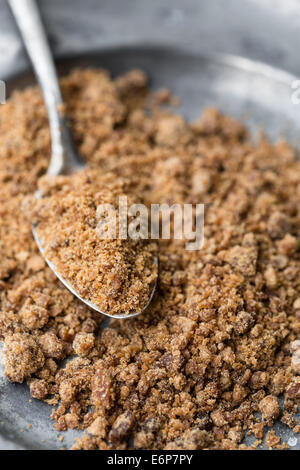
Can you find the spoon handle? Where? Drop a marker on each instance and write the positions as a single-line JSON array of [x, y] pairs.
[[64, 155]]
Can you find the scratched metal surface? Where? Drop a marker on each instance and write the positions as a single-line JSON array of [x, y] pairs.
[[257, 94]]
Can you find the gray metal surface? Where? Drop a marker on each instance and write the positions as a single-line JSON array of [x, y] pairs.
[[257, 94], [265, 30]]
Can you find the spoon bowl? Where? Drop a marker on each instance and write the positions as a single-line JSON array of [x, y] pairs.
[[74, 292]]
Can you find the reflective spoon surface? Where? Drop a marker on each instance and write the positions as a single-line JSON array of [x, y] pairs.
[[64, 156]]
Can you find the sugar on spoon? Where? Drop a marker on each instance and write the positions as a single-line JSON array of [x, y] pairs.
[[64, 156]]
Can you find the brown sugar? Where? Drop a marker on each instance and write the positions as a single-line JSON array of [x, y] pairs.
[[117, 275], [219, 343], [23, 356]]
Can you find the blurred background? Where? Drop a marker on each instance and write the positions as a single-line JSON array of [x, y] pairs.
[[266, 30]]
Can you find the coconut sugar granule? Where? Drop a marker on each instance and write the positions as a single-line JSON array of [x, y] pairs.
[[218, 346]]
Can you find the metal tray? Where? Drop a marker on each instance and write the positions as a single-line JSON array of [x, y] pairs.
[[257, 94]]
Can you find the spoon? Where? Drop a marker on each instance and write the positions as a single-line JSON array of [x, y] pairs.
[[64, 156]]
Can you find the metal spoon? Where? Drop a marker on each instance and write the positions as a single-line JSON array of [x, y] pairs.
[[64, 158]]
